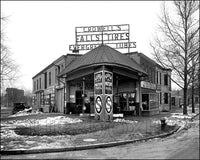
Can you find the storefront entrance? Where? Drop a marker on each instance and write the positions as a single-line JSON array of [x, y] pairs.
[[150, 103], [127, 102]]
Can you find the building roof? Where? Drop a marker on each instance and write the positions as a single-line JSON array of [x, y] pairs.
[[102, 55], [53, 63], [150, 60]]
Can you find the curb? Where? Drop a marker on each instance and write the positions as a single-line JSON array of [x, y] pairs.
[[85, 147], [194, 116], [191, 119]]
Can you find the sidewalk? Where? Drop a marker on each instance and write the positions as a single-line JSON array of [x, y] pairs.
[[133, 129]]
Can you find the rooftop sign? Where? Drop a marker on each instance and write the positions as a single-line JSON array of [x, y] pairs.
[[90, 37]]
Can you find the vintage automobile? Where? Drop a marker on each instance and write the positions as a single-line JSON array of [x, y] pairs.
[[19, 107]]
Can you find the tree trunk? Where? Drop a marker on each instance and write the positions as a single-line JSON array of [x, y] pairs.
[[193, 111], [185, 100]]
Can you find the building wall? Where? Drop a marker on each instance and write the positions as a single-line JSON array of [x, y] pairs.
[[163, 83], [156, 77], [14, 95], [51, 87]]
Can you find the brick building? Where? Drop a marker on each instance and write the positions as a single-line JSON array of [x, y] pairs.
[[156, 87], [14, 95], [48, 90], [139, 84]]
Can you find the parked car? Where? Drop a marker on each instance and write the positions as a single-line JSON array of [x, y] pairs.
[[19, 107]]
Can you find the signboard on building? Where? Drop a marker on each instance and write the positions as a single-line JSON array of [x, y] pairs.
[[98, 104], [49, 90], [103, 92], [98, 83], [148, 85], [90, 37], [108, 79], [108, 82]]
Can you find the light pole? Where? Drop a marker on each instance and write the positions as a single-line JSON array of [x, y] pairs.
[[83, 96]]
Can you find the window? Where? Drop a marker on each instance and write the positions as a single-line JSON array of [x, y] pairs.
[[127, 101], [160, 79], [47, 99], [62, 66], [40, 83], [45, 80], [149, 73], [49, 78], [173, 101], [34, 86], [123, 101], [145, 101], [56, 73], [153, 101], [42, 98], [58, 69], [196, 99], [153, 76], [166, 98], [79, 98], [37, 84], [165, 79], [160, 98], [157, 77]]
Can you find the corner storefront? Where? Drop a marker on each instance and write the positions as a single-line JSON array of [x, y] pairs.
[[150, 98], [103, 80]]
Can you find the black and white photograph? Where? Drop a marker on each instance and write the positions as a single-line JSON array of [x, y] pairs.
[[100, 79]]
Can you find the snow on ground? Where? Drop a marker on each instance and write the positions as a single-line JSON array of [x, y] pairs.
[[172, 122], [8, 133], [182, 116], [125, 121], [176, 119], [57, 120], [35, 122]]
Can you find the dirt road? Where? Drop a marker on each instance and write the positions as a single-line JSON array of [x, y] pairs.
[[182, 145]]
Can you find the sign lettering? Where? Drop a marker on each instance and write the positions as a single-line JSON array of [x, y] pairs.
[[100, 37], [148, 85], [98, 104], [108, 82], [98, 86], [106, 28], [92, 46], [108, 104], [90, 37]]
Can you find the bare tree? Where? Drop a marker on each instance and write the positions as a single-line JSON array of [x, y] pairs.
[[177, 44], [194, 75], [9, 68]]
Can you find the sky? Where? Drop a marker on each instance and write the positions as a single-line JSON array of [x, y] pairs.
[[39, 32]]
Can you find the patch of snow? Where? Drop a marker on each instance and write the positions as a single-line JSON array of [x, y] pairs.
[[57, 120], [2, 147], [8, 133], [118, 115], [89, 140], [47, 145], [30, 142], [182, 116], [35, 122], [124, 120], [156, 122]]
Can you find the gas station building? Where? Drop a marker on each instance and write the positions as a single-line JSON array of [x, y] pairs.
[[103, 81]]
